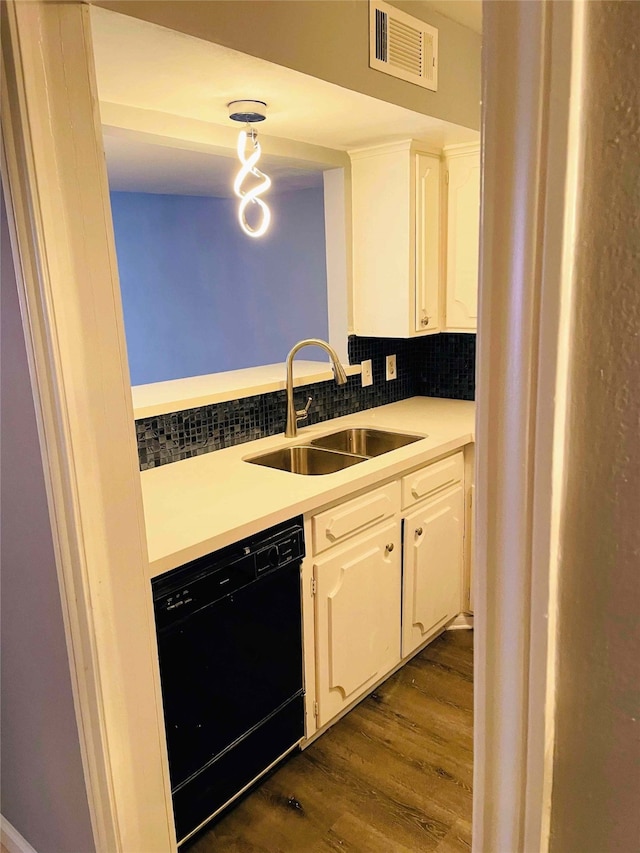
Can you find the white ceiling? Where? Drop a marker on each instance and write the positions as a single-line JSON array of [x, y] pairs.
[[148, 67], [136, 166], [465, 12]]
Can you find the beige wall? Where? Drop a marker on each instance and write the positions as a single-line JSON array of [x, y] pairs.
[[596, 785], [43, 789], [329, 39]]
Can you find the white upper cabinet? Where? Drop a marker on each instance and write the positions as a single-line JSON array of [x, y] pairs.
[[427, 234], [462, 164], [396, 240]]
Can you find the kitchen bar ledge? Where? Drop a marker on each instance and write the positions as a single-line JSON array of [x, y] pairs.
[[198, 505], [176, 395]]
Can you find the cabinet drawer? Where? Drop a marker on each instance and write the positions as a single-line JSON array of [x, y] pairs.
[[427, 480], [338, 523]]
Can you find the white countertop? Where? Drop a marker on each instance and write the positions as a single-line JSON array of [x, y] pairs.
[[201, 504]]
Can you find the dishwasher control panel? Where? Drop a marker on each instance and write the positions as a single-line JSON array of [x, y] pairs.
[[187, 589], [284, 549]]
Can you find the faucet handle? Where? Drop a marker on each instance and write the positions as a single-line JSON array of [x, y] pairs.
[[303, 414]]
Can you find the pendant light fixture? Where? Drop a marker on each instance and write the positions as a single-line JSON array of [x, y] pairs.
[[250, 112]]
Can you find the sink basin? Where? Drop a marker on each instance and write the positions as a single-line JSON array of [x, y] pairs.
[[364, 442], [334, 452], [307, 460]]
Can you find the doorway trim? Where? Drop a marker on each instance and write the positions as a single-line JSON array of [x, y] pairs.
[[532, 85], [55, 185]]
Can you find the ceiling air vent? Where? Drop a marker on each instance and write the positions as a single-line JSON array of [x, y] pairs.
[[402, 46]]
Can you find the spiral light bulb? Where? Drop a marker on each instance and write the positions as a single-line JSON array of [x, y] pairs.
[[250, 197]]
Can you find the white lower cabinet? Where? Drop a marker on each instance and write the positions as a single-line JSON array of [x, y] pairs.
[[378, 596], [433, 566], [357, 617]]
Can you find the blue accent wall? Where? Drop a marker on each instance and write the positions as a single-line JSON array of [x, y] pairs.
[[200, 296]]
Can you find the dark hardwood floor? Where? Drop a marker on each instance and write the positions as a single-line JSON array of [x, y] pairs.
[[393, 776]]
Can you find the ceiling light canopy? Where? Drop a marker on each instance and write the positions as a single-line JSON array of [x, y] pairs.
[[247, 111], [250, 112]]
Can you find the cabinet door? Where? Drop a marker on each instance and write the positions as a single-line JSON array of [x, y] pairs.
[[357, 607], [427, 224], [433, 562], [382, 243], [463, 238]]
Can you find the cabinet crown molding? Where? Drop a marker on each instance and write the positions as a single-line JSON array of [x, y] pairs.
[[461, 149], [409, 145]]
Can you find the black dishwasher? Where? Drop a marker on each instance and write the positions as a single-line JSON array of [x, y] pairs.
[[230, 644]]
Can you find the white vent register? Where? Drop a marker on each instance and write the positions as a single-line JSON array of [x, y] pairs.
[[402, 46]]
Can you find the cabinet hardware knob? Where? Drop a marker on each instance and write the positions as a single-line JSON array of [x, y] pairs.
[[418, 531], [425, 321], [389, 547]]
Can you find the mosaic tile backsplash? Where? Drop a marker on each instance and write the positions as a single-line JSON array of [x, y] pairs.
[[436, 366], [446, 366]]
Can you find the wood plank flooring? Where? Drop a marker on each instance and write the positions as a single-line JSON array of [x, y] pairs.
[[393, 776]]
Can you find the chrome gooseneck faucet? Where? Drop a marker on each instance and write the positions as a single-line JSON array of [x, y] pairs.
[[294, 416]]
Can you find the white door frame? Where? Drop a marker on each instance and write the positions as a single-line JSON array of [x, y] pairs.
[[532, 87], [57, 196], [55, 184]]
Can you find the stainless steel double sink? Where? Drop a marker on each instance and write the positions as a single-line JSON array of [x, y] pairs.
[[334, 452]]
